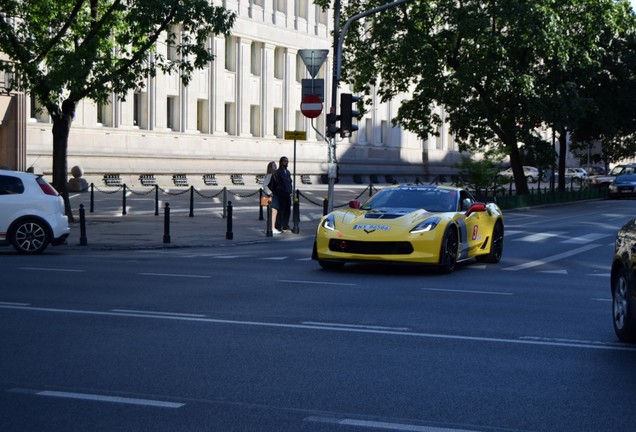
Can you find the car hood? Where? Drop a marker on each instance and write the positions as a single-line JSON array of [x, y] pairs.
[[393, 219]]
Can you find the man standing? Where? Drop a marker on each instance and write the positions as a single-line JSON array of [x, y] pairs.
[[283, 191]]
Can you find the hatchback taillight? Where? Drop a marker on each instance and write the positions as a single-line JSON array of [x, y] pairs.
[[46, 188]]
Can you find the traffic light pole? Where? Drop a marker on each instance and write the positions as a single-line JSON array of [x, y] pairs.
[[338, 38]]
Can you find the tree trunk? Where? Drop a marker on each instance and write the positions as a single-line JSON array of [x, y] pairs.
[[521, 184], [61, 128]]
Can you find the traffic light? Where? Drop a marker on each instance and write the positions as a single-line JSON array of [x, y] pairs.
[[347, 113], [332, 125]]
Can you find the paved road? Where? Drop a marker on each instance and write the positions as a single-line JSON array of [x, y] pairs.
[[197, 339]]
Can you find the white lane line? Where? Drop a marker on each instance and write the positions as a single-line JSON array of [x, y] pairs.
[[356, 326], [441, 336], [176, 275], [469, 292], [602, 299], [561, 272], [369, 424], [281, 258], [115, 399], [599, 274], [14, 304], [586, 238], [52, 269], [540, 236], [157, 313], [546, 260], [317, 282]]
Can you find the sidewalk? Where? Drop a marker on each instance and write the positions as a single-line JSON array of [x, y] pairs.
[[131, 232]]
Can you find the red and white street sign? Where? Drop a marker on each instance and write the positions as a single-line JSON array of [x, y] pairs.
[[311, 106]]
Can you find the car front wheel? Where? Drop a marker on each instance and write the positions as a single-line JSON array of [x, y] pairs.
[[496, 246], [30, 237], [624, 322], [450, 250]]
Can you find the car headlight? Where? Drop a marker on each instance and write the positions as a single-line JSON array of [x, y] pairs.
[[612, 188], [427, 225], [329, 223]]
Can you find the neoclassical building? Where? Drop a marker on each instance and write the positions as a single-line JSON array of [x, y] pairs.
[[231, 118]]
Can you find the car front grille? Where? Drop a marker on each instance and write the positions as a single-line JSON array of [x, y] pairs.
[[370, 248]]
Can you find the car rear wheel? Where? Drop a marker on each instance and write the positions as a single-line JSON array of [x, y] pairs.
[[496, 245], [624, 322], [530, 179], [449, 252], [30, 236]]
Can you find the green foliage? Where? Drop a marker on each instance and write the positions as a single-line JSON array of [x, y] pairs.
[[499, 69], [70, 50], [481, 175]]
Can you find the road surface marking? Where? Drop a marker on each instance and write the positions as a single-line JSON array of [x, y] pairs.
[[175, 275], [557, 257], [403, 427], [356, 326], [52, 269], [540, 236], [317, 282], [115, 399], [586, 238], [469, 292], [158, 313], [291, 326]]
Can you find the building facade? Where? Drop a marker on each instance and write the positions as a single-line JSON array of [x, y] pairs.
[[231, 118]]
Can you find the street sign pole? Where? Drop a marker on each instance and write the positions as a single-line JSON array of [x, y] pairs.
[[338, 38]]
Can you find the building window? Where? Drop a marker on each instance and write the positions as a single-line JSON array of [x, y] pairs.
[[281, 5], [104, 114], [255, 120], [230, 54], [300, 121], [171, 113], [302, 9], [278, 123], [279, 63], [140, 110], [300, 69], [255, 58], [322, 15], [202, 116], [230, 119], [384, 132], [368, 130]]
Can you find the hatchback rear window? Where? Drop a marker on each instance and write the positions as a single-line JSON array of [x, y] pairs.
[[10, 185]]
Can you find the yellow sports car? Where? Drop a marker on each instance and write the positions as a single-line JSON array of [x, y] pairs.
[[420, 224]]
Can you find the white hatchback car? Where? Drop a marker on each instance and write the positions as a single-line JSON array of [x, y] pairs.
[[31, 213], [531, 173]]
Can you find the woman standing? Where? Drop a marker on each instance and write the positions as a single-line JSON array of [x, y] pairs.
[[268, 189]]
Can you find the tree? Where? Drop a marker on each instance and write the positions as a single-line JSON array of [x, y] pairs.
[[63, 51], [486, 63]]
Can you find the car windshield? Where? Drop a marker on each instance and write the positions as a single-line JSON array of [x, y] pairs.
[[411, 198], [621, 170]]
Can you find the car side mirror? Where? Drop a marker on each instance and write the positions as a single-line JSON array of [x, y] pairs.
[[354, 204], [476, 207]]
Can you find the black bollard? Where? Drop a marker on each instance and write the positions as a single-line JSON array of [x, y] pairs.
[[191, 201], [260, 206], [325, 207], [82, 215], [229, 235], [268, 229], [123, 207], [156, 200], [166, 224], [92, 208], [296, 213]]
